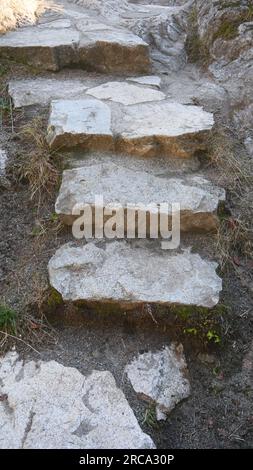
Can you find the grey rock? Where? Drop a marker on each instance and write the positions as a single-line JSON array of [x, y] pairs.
[[42, 91], [119, 183], [129, 274], [72, 37], [160, 377], [3, 161], [146, 129], [84, 121], [45, 405], [125, 93]]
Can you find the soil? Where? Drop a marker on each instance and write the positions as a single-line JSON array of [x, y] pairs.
[[219, 412]]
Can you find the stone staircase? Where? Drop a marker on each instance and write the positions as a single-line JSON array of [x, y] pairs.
[[132, 143]]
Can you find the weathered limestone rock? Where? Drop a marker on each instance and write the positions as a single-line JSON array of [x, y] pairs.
[[45, 405], [149, 129], [160, 378], [226, 30], [80, 122], [42, 91], [47, 48], [128, 274], [162, 25], [125, 93], [165, 127], [72, 37], [198, 198]]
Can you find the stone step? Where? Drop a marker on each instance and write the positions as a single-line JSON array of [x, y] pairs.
[[129, 274], [45, 405], [150, 128], [124, 116], [121, 182], [71, 38], [41, 91]]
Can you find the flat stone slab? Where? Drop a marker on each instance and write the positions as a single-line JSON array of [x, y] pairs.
[[172, 127], [86, 122], [45, 405], [125, 93], [74, 38], [161, 377], [129, 274], [41, 91], [119, 183], [149, 129]]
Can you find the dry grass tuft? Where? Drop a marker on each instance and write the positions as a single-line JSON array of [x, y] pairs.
[[37, 163], [234, 172], [14, 13]]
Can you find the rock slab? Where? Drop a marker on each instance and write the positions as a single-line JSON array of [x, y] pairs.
[[129, 274], [120, 184], [160, 377], [71, 38], [45, 405], [145, 129]]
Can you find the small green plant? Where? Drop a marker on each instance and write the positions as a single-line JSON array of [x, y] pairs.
[[54, 299], [191, 331], [8, 318], [150, 417], [212, 336]]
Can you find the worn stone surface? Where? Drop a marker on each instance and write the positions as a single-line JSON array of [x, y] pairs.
[[129, 274], [165, 127], [125, 93], [45, 405], [42, 91], [147, 129], [161, 378], [162, 25], [226, 30], [149, 80], [73, 37], [119, 183], [80, 122]]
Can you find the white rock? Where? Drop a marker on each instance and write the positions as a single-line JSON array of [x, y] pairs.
[[42, 91], [73, 38], [119, 183], [161, 378], [84, 121], [131, 274], [125, 93], [148, 129], [3, 160], [45, 405], [165, 127], [150, 80]]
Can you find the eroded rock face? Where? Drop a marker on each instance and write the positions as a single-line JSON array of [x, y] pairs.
[[45, 405], [160, 377], [128, 274], [198, 198], [161, 24], [226, 30]]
